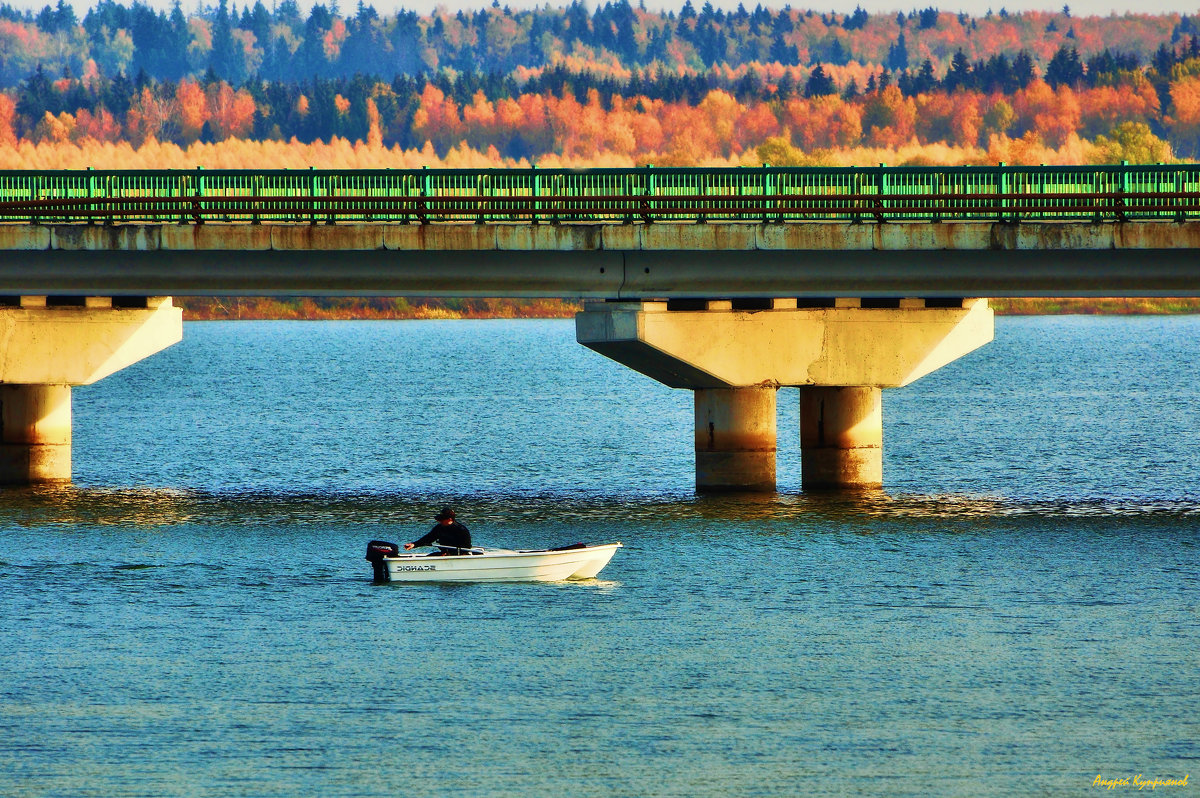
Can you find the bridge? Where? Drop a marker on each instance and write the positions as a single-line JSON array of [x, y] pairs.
[[728, 282]]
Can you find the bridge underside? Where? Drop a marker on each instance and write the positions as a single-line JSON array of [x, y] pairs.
[[841, 310], [671, 261]]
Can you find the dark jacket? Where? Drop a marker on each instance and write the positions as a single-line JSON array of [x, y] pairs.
[[453, 536]]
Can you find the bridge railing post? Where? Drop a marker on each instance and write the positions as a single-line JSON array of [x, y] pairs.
[[648, 191], [1180, 213], [484, 188], [256, 190], [330, 207], [423, 206], [91, 194], [939, 190], [766, 191], [856, 188], [197, 202], [881, 192], [312, 195], [1121, 204], [535, 189]]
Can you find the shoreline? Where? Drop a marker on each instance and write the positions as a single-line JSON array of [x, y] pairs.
[[402, 309]]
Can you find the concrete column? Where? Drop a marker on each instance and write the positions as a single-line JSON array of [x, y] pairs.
[[50, 344], [735, 439], [841, 437], [35, 434]]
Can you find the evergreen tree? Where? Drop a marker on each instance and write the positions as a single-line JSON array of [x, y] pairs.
[[959, 75], [897, 57], [819, 84], [856, 20], [1022, 71], [1065, 68], [224, 59]]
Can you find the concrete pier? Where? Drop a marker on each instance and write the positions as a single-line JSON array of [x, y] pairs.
[[48, 345], [736, 354], [841, 437], [735, 439], [35, 434]]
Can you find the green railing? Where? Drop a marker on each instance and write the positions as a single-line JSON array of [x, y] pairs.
[[638, 195]]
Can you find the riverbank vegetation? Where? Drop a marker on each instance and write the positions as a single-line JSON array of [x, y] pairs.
[[379, 308]]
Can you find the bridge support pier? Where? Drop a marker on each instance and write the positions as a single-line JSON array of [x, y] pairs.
[[35, 434], [735, 439], [48, 345], [841, 437], [736, 354]]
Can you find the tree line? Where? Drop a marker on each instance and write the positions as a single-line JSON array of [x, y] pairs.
[[285, 44], [618, 81]]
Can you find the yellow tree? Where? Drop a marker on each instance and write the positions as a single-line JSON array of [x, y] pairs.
[[1184, 122], [1133, 142]]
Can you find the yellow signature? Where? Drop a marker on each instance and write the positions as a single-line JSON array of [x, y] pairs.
[[1139, 781]]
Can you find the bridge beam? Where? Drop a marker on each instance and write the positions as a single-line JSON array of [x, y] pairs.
[[47, 346], [735, 355]]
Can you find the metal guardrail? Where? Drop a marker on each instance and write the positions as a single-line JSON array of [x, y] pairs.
[[639, 195]]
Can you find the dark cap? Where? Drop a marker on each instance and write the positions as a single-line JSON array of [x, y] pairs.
[[443, 514]]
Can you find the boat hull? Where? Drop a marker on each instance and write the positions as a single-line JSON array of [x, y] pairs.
[[502, 566]]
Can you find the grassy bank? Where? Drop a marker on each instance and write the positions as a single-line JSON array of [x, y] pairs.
[[342, 308], [1116, 306], [323, 308]]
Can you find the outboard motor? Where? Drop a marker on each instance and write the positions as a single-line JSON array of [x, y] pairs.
[[376, 551]]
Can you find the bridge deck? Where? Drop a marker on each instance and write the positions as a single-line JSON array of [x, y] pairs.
[[606, 233]]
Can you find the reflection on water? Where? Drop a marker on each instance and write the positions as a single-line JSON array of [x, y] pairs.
[[74, 506]]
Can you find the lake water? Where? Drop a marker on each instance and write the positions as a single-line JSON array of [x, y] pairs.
[[1014, 614]]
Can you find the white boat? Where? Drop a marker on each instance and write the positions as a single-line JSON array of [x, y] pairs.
[[579, 561]]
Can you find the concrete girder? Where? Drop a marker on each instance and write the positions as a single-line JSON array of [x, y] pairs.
[[839, 346], [80, 345], [605, 261]]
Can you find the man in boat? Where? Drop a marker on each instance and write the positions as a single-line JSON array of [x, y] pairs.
[[449, 536]]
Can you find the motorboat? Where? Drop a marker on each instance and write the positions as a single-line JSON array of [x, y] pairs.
[[577, 561]]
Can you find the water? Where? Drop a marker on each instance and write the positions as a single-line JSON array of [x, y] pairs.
[[1015, 614]]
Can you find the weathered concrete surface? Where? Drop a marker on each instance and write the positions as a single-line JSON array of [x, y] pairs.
[[881, 347], [35, 434], [44, 350], [735, 360], [606, 260], [79, 345], [841, 437], [735, 439]]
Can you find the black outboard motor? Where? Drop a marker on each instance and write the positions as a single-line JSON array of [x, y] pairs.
[[376, 551]]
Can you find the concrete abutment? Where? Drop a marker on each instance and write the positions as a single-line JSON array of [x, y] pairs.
[[49, 345], [841, 355]]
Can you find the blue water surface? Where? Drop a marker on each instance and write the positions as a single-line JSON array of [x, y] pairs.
[[1014, 614]]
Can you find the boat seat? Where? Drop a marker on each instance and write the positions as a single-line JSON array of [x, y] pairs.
[[451, 551]]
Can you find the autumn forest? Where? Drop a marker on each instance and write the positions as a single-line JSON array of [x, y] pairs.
[[230, 86]]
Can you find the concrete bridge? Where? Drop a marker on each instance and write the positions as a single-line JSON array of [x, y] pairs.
[[728, 282]]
